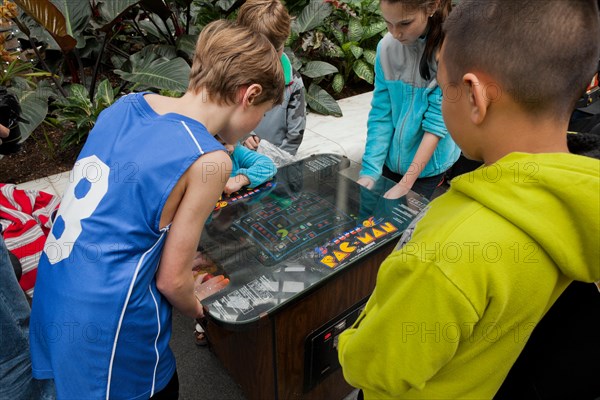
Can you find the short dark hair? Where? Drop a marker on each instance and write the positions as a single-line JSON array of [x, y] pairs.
[[543, 53]]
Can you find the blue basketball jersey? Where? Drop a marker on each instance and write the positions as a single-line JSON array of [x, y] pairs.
[[99, 326]]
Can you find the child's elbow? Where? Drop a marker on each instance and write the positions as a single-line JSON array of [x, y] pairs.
[[168, 287]]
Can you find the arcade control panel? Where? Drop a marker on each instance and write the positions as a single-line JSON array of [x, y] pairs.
[[320, 347]]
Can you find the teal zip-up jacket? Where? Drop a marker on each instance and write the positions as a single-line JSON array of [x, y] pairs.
[[404, 107], [257, 167]]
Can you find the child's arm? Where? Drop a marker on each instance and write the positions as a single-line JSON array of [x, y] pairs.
[[380, 129], [435, 130], [296, 117], [4, 132], [254, 169], [174, 278], [422, 157]]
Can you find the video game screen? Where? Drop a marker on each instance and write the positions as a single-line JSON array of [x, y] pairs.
[[278, 239], [282, 226]]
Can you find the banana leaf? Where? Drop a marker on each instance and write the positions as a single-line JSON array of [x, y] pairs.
[[45, 13]]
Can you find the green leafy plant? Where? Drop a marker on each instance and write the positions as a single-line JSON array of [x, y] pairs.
[[357, 27], [84, 29], [341, 36], [148, 44], [155, 67], [77, 114], [33, 98], [206, 11], [313, 15], [19, 68]]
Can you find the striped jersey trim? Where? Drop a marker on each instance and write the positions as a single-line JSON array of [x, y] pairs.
[[193, 137], [114, 350]]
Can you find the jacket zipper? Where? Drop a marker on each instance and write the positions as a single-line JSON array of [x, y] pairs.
[[412, 100]]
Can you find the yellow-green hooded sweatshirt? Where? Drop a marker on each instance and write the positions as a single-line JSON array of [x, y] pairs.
[[454, 307]]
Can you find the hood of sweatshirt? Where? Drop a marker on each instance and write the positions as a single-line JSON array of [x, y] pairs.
[[553, 197]]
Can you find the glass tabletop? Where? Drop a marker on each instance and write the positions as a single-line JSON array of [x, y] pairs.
[[309, 222]]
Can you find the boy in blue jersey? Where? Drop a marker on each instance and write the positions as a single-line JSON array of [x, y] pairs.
[[120, 252]]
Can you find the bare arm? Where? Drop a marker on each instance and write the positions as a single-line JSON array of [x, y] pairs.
[[235, 183], [4, 132], [422, 157], [174, 278]]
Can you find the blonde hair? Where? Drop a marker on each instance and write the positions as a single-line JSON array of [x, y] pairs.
[[229, 57], [269, 17]]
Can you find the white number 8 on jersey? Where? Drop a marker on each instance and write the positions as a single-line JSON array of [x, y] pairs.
[[89, 183]]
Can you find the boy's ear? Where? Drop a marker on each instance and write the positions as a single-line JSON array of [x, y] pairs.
[[478, 101], [250, 95]]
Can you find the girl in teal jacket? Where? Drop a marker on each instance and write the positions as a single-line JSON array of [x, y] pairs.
[[407, 140]]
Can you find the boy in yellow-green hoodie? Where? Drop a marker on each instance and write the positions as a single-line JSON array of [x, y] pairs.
[[455, 305]]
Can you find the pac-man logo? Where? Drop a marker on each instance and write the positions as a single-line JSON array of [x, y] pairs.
[[343, 249]]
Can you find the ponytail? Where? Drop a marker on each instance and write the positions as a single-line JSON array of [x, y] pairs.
[[435, 37]]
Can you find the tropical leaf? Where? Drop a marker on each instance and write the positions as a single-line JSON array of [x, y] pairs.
[[50, 17], [105, 94], [356, 51], [334, 51], [187, 44], [339, 35], [78, 99], [369, 56], [225, 5], [311, 16], [110, 10], [77, 15], [355, 30], [296, 62], [34, 107], [363, 71], [374, 29], [372, 7], [160, 73], [89, 46], [346, 46], [154, 30], [163, 50], [322, 102], [117, 61], [33, 29], [338, 83], [315, 69]]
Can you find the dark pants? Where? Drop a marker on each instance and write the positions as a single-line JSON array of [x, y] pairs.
[[424, 186], [170, 392]]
